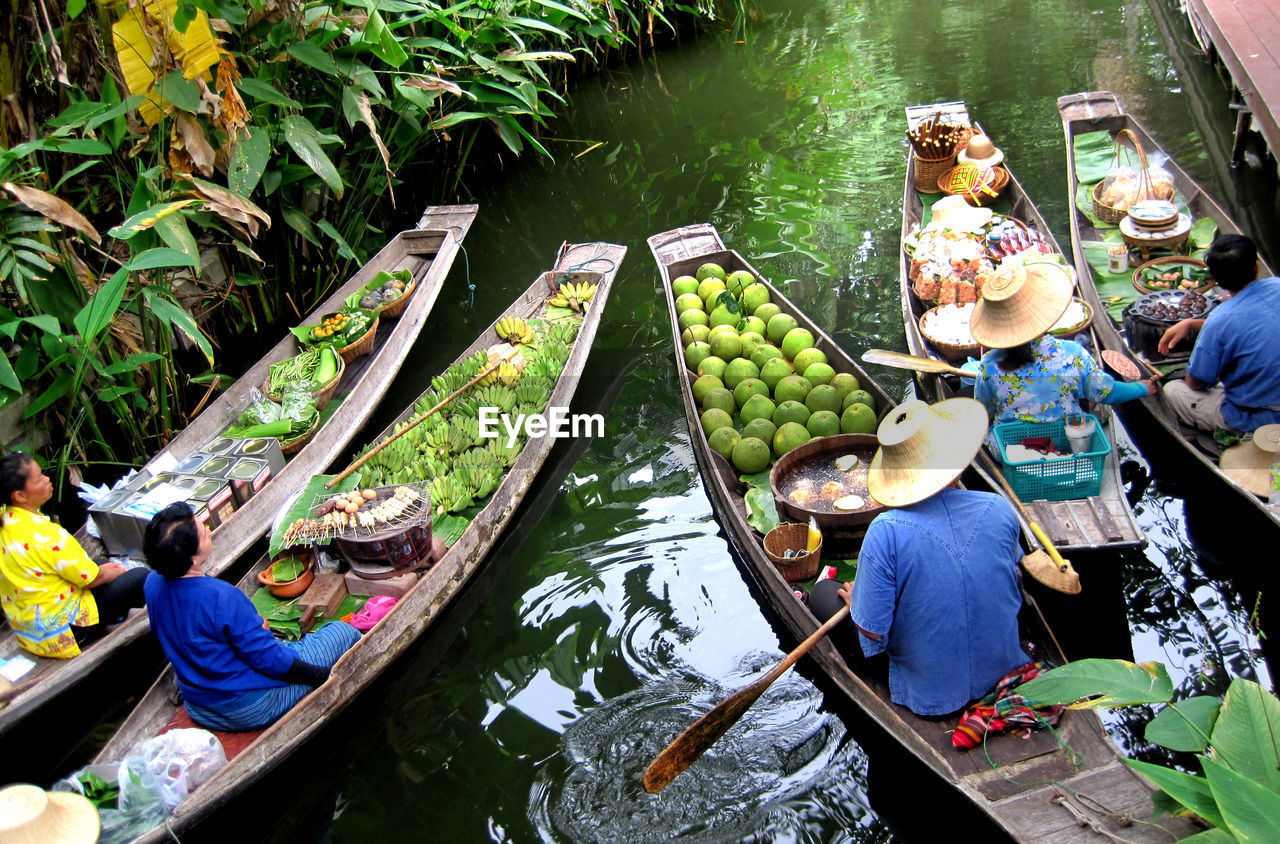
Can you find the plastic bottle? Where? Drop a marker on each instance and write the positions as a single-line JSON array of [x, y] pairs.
[[815, 535]]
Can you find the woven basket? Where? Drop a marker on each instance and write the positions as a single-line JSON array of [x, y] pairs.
[[1078, 329], [397, 307], [1168, 259], [794, 537], [294, 445], [928, 170], [981, 198], [360, 347], [321, 394], [1111, 214], [952, 352]]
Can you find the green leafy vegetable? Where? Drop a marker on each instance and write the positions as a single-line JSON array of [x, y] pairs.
[[290, 568]]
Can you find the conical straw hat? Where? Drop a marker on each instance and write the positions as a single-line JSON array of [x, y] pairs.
[[31, 815], [1249, 463], [923, 448], [1019, 303], [954, 213]]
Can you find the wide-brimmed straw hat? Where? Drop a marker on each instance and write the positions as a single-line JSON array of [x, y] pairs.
[[981, 151], [31, 815], [1019, 303], [1249, 463], [923, 448], [954, 213]]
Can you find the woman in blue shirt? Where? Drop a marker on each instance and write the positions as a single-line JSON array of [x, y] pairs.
[[1030, 375], [233, 674]]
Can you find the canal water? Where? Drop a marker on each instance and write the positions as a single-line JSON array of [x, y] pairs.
[[615, 614]]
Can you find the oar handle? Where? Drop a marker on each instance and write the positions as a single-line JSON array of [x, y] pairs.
[[1048, 546]]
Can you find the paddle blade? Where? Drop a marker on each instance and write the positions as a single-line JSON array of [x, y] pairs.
[[1062, 578], [898, 360], [700, 735]]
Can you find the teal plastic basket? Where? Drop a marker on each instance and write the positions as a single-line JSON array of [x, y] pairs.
[[1061, 479]]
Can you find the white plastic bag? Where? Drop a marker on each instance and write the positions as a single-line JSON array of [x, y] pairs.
[[172, 765]]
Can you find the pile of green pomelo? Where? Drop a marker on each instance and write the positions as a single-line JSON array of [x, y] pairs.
[[763, 387]]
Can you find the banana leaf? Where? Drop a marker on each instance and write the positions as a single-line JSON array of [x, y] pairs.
[[1093, 153], [762, 513], [301, 506], [1116, 290]]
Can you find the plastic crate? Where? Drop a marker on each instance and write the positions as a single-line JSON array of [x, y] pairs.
[[1061, 479]]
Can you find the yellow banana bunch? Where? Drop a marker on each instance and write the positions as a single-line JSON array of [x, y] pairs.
[[515, 330], [574, 296]]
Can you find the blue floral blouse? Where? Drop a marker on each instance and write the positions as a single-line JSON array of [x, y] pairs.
[[1050, 387]]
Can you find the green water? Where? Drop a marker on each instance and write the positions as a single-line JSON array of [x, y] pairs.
[[616, 615]]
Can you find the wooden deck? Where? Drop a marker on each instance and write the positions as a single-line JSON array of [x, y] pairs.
[[1246, 36]]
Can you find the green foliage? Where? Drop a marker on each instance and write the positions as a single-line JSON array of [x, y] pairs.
[[1101, 684]]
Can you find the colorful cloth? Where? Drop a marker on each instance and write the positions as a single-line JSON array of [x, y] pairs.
[[1002, 711], [1060, 375], [1240, 347], [43, 573]]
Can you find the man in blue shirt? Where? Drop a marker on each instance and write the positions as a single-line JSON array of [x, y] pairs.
[[1233, 380], [937, 585]]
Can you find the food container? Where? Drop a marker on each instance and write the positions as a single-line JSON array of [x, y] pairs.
[[191, 464], [221, 445], [389, 553], [1117, 259], [118, 532], [217, 467], [266, 449], [792, 537], [247, 476], [216, 497], [815, 460]]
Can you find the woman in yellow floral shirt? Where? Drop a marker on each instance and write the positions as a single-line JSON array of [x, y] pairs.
[[55, 597]]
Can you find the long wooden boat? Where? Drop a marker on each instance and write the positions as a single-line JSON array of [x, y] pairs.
[[1039, 791], [428, 252], [1151, 418], [1101, 522], [425, 600]]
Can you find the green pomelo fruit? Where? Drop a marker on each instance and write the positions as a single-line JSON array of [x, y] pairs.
[[777, 326], [721, 329], [789, 436], [726, 345], [739, 370], [692, 317], [858, 397], [824, 423], [858, 419], [796, 341], [807, 358], [695, 353], [723, 316], [714, 299], [754, 296], [773, 371], [820, 373], [766, 312], [762, 429], [719, 398], [723, 440], [688, 301], [748, 388], [738, 281], [790, 411], [753, 323], [751, 455], [704, 385], [713, 366], [791, 388], [823, 397], [695, 333], [710, 270], [709, 286], [684, 284], [845, 382], [758, 407], [765, 353], [751, 340], [714, 419]]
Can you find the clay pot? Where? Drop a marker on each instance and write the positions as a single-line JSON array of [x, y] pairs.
[[290, 588]]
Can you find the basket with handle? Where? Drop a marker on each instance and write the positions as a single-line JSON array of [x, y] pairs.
[[794, 537], [928, 159], [1109, 213]]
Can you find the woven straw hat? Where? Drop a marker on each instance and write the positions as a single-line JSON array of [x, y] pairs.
[[954, 212], [981, 151], [1249, 463], [1019, 304], [31, 815], [923, 448]]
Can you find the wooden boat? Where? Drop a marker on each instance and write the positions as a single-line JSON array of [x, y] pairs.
[[1100, 522], [1038, 792], [428, 251], [1151, 419], [424, 601]]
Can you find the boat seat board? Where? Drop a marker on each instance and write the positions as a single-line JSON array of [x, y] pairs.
[[232, 743]]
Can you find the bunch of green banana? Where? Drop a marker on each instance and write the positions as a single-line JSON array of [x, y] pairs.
[[531, 393], [496, 395], [562, 331], [438, 442], [464, 432], [503, 454], [449, 495], [573, 296], [515, 330]]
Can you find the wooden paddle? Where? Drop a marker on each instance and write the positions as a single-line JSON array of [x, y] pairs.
[[1120, 363], [899, 360], [704, 732], [1044, 564]]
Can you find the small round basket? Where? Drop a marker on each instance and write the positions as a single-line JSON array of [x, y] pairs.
[[927, 171], [322, 394], [792, 537], [294, 444], [953, 352], [1079, 328], [979, 198], [1139, 274], [1109, 213], [360, 347], [397, 307]]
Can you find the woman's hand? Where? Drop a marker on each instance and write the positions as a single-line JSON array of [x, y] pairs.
[[1152, 387], [1178, 332], [846, 594]]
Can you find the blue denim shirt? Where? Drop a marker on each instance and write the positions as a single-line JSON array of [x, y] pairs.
[[937, 581], [1240, 346]]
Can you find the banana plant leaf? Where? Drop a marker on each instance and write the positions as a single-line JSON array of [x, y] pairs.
[[1100, 684], [1247, 732], [1251, 811], [1093, 153], [449, 528], [301, 506], [1189, 790], [762, 513], [1185, 725]]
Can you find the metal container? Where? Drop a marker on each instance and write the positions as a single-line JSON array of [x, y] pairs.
[[263, 448], [841, 531], [389, 553], [219, 446], [247, 476], [217, 466], [191, 464], [216, 497], [117, 532]]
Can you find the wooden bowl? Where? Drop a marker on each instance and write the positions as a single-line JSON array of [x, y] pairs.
[[864, 445], [290, 588]]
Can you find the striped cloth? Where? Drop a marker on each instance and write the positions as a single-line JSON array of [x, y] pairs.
[[1002, 711]]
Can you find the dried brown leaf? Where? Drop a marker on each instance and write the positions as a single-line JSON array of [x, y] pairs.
[[194, 142], [230, 207], [366, 117], [53, 208], [427, 82]]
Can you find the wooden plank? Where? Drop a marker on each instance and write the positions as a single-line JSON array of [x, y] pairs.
[[1109, 529], [1241, 30]]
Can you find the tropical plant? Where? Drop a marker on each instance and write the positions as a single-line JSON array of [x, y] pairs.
[[1235, 738]]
